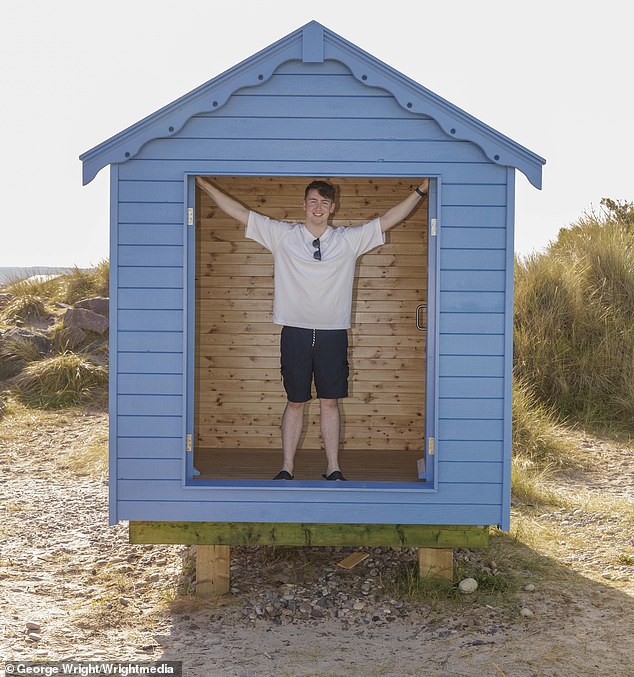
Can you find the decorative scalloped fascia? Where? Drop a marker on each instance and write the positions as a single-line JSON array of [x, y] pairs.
[[303, 44]]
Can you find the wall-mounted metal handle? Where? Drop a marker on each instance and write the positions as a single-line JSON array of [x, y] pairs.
[[421, 317]]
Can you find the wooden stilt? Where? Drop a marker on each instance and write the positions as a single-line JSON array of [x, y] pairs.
[[435, 562], [212, 570]]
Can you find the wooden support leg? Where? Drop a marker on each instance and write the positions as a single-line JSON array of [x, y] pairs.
[[435, 562], [212, 570]]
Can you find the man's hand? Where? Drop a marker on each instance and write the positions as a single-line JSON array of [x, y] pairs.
[[401, 211], [227, 204]]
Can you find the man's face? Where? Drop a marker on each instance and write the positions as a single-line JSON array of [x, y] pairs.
[[317, 207]]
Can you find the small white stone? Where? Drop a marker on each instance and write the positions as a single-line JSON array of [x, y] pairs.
[[526, 612], [468, 585], [530, 587]]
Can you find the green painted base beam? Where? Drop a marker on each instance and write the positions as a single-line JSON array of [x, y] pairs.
[[257, 533]]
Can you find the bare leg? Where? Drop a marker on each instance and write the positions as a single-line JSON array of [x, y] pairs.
[[330, 430], [292, 426]]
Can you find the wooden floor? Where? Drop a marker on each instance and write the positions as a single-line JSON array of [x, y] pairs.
[[262, 464]]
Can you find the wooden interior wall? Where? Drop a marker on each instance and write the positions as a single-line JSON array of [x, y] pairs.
[[239, 394]]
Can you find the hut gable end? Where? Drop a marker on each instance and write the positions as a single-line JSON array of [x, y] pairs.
[[312, 44]]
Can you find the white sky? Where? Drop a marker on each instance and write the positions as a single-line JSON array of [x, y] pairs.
[[554, 76]]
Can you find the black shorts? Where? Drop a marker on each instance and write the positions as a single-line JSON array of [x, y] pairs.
[[322, 353]]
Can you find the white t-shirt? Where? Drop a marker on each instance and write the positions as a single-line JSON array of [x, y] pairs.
[[313, 294]]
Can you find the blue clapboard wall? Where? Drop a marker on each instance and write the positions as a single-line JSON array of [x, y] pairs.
[[312, 105]]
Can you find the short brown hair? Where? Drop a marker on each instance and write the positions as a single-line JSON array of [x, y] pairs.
[[324, 188]]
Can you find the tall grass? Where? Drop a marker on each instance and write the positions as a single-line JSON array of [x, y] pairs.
[[67, 288], [59, 381], [574, 319]]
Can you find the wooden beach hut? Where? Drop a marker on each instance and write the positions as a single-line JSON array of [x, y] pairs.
[[195, 393]]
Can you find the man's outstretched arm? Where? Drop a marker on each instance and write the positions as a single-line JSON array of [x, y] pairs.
[[227, 204], [401, 211]]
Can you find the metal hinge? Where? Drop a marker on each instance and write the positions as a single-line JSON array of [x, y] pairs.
[[434, 227], [188, 442], [190, 216], [431, 445]]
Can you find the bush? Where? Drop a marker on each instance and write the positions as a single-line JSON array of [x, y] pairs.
[[59, 381], [81, 284], [574, 319], [15, 353], [24, 309]]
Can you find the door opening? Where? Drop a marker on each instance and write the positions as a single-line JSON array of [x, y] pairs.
[[238, 394]]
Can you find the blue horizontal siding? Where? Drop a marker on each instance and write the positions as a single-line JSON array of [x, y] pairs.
[[174, 168], [150, 212], [152, 234], [469, 430], [150, 363], [321, 108], [150, 447], [150, 255], [151, 277], [467, 365], [479, 386], [145, 404], [473, 408], [291, 510], [172, 490], [149, 469], [155, 384], [240, 127], [151, 191], [469, 280], [465, 194], [464, 238], [308, 84], [471, 301], [468, 472], [149, 426], [471, 344], [472, 259], [150, 299], [313, 149], [481, 451], [471, 323], [471, 216], [150, 341], [150, 320]]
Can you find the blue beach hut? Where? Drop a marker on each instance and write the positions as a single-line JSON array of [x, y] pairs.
[[195, 394]]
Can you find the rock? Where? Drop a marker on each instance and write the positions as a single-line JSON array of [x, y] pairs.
[[86, 319], [40, 341], [98, 304], [70, 337], [468, 586], [32, 625], [526, 612], [529, 587]]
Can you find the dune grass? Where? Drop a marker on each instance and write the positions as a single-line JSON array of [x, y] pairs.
[[59, 381], [574, 319], [67, 288]]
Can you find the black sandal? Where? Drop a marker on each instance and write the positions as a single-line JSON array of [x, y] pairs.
[[283, 475], [336, 475]]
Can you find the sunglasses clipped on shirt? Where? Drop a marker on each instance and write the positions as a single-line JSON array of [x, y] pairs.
[[317, 252]]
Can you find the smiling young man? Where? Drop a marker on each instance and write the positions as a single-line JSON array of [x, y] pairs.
[[314, 267]]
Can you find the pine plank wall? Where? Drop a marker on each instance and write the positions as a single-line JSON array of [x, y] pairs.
[[239, 394]]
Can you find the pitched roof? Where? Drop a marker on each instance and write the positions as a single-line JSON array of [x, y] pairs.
[[313, 43]]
